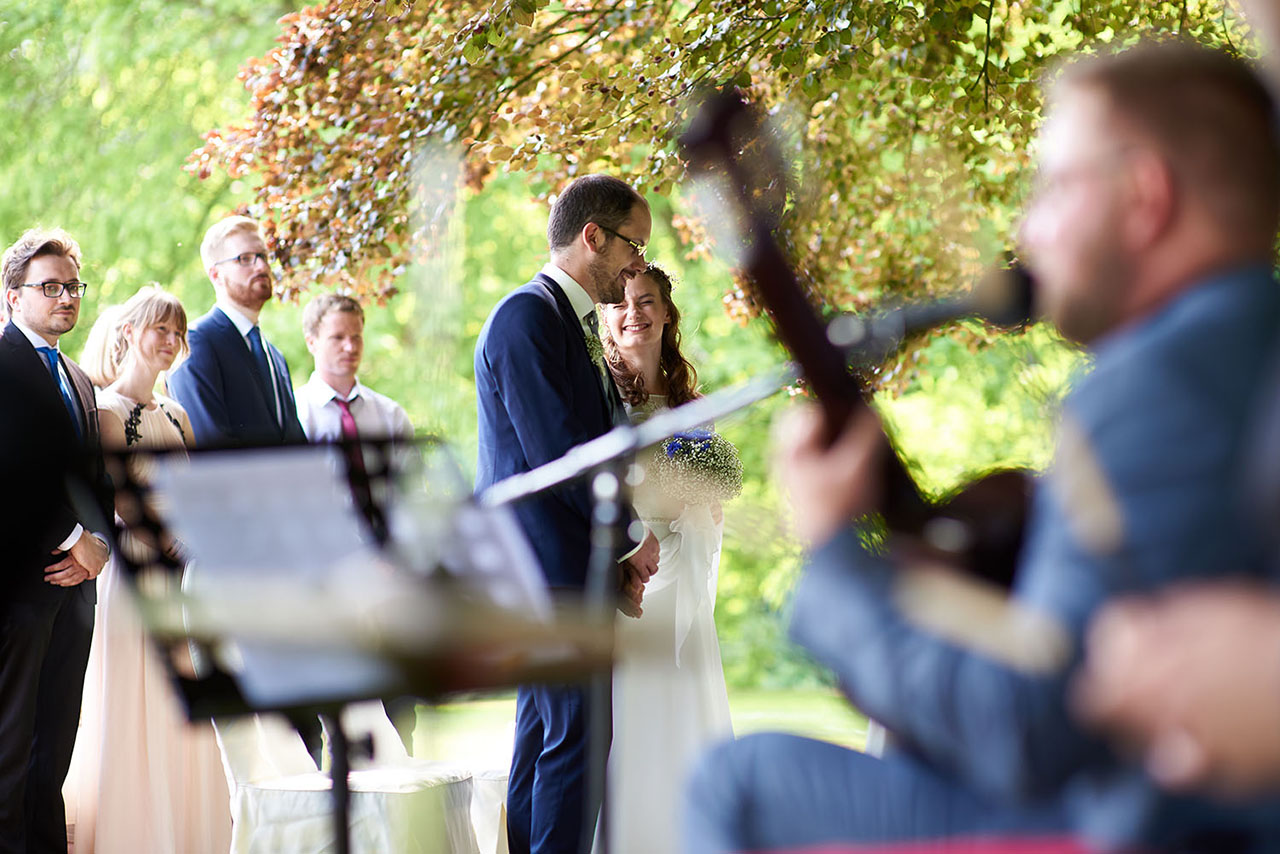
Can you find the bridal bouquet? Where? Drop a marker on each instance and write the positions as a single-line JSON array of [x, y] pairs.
[[698, 467]]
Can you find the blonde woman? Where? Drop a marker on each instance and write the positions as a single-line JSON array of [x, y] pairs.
[[148, 781]]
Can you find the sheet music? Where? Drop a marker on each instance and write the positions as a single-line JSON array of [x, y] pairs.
[[275, 537]]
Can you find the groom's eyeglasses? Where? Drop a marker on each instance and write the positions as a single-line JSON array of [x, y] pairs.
[[636, 246]]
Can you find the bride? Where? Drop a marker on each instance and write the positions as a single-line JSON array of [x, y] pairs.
[[669, 699]]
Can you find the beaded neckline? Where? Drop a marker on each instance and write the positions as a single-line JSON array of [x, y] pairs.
[[132, 435]]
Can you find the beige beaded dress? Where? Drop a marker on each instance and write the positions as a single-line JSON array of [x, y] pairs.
[[145, 780]]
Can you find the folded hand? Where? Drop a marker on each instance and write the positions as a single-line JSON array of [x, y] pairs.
[[83, 561], [636, 572]]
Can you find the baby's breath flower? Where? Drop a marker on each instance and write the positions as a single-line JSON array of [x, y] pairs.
[[698, 468]]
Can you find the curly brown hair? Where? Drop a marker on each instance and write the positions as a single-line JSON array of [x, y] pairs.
[[680, 375]]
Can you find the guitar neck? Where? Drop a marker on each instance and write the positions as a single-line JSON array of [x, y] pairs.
[[839, 393]]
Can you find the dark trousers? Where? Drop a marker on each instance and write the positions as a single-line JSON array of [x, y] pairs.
[[44, 649], [548, 792]]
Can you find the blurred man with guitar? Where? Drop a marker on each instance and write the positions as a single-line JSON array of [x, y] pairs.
[[1151, 238]]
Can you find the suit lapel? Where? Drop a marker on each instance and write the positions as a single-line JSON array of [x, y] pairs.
[[574, 324], [85, 397], [21, 347], [234, 342]]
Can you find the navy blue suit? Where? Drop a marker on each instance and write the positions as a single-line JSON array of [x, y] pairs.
[[224, 393], [53, 478], [988, 749], [538, 395]]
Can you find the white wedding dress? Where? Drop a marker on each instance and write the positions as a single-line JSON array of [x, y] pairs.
[[669, 699]]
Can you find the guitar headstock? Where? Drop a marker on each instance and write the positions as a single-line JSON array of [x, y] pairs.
[[731, 142]]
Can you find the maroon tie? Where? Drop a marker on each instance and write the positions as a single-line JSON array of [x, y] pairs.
[[349, 430], [355, 458]]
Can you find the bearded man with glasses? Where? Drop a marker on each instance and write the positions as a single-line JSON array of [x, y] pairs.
[[235, 385], [51, 558]]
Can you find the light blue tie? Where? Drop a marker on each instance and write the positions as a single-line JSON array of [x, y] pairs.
[[51, 356]]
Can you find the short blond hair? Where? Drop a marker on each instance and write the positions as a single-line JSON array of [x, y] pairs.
[[107, 346], [1208, 113], [211, 246], [34, 243]]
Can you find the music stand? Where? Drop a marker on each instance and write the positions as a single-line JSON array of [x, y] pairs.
[[320, 576]]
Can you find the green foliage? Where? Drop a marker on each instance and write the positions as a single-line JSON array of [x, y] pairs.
[[103, 101], [912, 127], [912, 122]]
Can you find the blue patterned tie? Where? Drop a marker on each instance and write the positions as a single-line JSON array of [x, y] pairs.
[[51, 356], [264, 368]]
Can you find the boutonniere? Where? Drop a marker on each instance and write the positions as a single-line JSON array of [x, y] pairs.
[[595, 348]]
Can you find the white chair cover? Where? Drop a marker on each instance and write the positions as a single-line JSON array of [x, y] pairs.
[[489, 810], [281, 804]]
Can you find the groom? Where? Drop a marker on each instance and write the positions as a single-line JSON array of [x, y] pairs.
[[542, 388]]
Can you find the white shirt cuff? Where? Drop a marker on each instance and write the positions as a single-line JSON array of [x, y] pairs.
[[643, 537], [72, 538]]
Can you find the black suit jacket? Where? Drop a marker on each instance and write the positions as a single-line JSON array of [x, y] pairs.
[[53, 479], [220, 387]]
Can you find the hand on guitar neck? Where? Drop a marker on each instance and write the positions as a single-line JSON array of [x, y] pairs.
[[829, 481]]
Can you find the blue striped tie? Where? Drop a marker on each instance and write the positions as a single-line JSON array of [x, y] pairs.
[[51, 356]]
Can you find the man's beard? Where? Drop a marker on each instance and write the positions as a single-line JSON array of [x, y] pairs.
[[249, 294], [609, 287]]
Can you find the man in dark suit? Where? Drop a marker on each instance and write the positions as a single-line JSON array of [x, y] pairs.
[[542, 388], [234, 384], [47, 588], [1151, 235]]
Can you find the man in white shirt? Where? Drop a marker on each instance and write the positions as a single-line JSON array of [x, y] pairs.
[[333, 404]]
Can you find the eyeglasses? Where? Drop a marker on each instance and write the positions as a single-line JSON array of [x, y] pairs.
[[53, 290], [638, 247], [245, 259]]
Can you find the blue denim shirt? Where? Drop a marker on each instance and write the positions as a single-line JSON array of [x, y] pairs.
[[1161, 421]]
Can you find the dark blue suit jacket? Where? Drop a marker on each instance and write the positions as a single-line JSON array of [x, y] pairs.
[[1164, 415], [223, 392], [538, 395]]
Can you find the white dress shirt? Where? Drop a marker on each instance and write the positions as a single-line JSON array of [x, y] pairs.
[[377, 416], [578, 299], [38, 341]]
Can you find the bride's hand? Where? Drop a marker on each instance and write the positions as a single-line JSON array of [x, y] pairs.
[[717, 512]]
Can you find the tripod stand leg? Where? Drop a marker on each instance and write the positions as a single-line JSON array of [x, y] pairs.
[[602, 585], [339, 772]]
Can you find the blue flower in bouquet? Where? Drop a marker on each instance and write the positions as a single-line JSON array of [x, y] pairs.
[[698, 467], [690, 442]]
